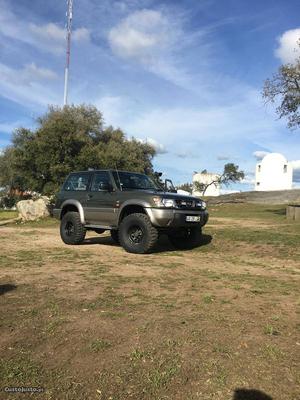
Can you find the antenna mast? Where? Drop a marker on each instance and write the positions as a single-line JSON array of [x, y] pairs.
[[69, 31]]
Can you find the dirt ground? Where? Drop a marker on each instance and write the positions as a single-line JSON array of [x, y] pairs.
[[94, 322]]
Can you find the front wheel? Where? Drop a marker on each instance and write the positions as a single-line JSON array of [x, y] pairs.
[[137, 234], [186, 238], [71, 229]]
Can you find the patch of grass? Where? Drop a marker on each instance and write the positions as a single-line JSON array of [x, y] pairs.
[[272, 351], [222, 349], [99, 270], [270, 330], [259, 284], [20, 370], [38, 258], [208, 299], [41, 223], [8, 214], [274, 213], [172, 265], [257, 291], [221, 377], [138, 354], [259, 236], [161, 377], [100, 345], [53, 325]]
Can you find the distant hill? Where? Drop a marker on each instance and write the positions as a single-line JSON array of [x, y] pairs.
[[269, 197]]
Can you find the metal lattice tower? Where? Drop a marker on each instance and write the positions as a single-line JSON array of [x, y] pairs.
[[69, 32]]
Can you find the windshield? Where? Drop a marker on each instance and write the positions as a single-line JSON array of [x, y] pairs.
[[134, 181]]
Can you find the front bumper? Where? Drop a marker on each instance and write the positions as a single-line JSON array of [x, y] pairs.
[[166, 218]]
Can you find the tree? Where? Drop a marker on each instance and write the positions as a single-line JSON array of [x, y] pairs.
[[188, 187], [231, 174], [67, 139], [284, 87]]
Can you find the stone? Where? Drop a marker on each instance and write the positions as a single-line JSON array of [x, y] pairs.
[[31, 210]]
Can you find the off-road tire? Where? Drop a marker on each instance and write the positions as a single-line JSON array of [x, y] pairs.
[[71, 229], [114, 233], [186, 238], [134, 223], [99, 231]]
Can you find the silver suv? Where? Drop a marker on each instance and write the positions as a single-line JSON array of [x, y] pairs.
[[134, 208]]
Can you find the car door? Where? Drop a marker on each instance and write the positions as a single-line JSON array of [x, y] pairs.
[[101, 200]]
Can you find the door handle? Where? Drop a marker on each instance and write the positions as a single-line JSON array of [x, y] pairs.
[[89, 196]]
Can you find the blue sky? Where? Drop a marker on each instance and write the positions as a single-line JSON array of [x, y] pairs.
[[184, 75]]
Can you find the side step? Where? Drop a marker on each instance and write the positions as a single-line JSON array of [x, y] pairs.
[[100, 227]]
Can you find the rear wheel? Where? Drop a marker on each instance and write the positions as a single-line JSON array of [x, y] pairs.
[[137, 234], [186, 238], [71, 229], [114, 233]]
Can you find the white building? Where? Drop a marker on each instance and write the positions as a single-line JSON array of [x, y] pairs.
[[205, 179], [273, 172]]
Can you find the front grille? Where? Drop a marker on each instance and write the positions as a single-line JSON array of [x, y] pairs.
[[186, 204]]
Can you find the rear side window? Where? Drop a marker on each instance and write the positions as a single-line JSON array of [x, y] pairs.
[[77, 182]]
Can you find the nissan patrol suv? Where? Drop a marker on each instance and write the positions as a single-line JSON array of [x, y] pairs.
[[133, 207]]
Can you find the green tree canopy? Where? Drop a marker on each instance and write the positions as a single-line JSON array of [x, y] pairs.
[[67, 139], [231, 174], [284, 90]]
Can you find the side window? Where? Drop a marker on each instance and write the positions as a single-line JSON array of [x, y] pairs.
[[77, 182], [101, 181]]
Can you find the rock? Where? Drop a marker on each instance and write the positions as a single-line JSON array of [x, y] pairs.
[[30, 210]]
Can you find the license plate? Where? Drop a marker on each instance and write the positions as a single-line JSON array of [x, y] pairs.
[[193, 218]]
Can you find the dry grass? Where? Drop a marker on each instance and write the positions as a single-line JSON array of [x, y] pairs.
[[94, 322]]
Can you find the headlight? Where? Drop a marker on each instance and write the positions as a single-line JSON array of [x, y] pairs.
[[160, 202], [201, 204]]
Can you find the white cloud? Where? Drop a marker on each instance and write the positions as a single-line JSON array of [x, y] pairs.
[[113, 108], [202, 123], [159, 148], [142, 35], [153, 39], [296, 165], [81, 35], [31, 73], [185, 154], [289, 49], [223, 158], [27, 75], [46, 37], [27, 84], [260, 154]]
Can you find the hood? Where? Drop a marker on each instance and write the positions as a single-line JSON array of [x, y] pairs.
[[175, 196]]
